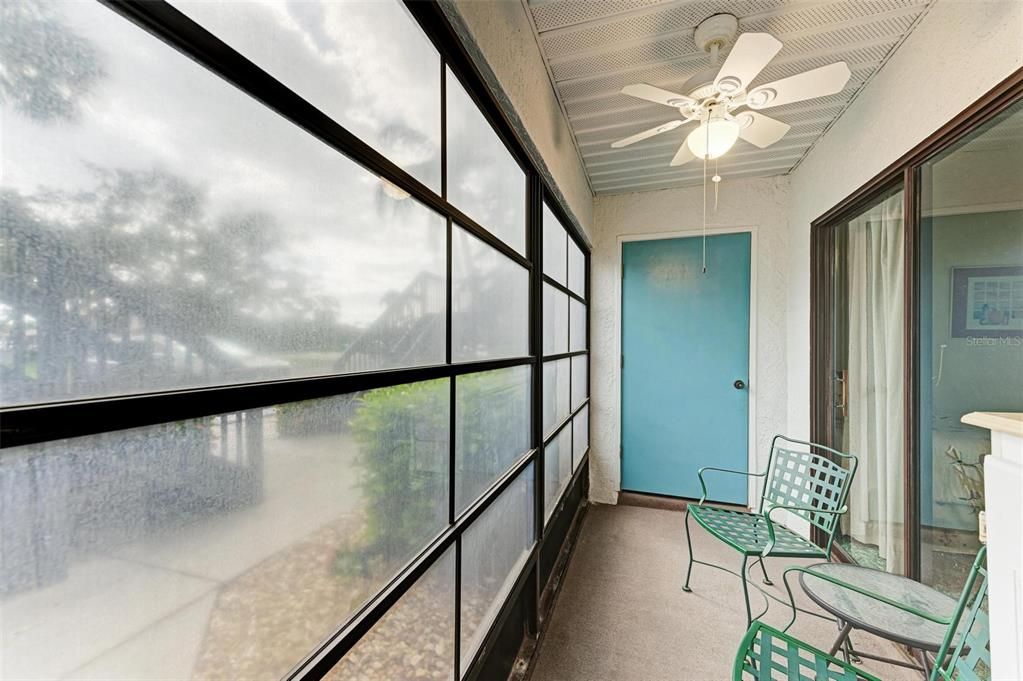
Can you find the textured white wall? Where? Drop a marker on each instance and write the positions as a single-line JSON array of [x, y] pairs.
[[501, 34], [759, 203], [959, 51]]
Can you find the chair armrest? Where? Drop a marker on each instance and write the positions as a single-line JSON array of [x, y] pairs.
[[789, 507], [703, 485], [860, 590]]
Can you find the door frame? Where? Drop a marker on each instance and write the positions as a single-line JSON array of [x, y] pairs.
[[905, 172], [752, 492]]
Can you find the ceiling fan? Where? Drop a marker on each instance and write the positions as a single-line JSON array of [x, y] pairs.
[[715, 96]]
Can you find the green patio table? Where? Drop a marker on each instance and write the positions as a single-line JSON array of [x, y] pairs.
[[856, 611]]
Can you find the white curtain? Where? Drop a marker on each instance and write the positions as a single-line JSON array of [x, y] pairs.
[[876, 417]]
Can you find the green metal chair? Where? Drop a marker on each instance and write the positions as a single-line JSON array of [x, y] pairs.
[[965, 654], [811, 484]]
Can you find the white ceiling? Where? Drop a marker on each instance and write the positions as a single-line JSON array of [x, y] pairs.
[[592, 48]]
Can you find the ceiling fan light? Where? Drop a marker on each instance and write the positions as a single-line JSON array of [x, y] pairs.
[[713, 138]]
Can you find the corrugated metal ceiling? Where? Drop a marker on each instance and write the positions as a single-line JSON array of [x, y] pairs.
[[593, 48]]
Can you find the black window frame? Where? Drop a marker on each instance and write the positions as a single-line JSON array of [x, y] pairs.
[[39, 423]]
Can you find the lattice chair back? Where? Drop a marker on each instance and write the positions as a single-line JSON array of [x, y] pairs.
[[811, 478], [767, 654], [970, 659]]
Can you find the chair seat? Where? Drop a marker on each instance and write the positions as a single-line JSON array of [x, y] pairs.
[[747, 533]]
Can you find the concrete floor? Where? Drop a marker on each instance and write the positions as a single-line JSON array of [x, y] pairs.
[[140, 611], [622, 615]]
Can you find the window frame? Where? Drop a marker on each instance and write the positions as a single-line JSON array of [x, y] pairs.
[[38, 423]]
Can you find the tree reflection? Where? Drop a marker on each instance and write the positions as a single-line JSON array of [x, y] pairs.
[[47, 69], [105, 287]]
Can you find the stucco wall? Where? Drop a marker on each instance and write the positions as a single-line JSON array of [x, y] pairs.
[[959, 51], [500, 37], [759, 203]]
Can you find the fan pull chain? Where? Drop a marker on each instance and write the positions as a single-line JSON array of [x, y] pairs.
[[717, 183], [705, 152], [705, 205]]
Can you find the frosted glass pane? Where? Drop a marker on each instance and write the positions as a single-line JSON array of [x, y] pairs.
[[240, 541], [580, 436], [181, 234], [555, 243], [577, 334], [555, 321], [576, 269], [484, 180], [494, 549], [491, 428], [489, 301], [367, 65], [557, 469], [580, 367], [415, 639], [556, 385]]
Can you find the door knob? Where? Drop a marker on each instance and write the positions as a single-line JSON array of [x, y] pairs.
[[739, 385]]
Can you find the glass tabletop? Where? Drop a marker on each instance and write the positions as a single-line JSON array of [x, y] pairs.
[[863, 612]]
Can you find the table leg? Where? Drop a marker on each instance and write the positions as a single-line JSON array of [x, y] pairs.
[[925, 663], [843, 636]]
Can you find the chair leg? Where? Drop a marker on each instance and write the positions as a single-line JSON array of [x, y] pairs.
[[745, 592], [763, 568], [689, 542]]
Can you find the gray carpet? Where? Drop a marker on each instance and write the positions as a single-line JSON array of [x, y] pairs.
[[622, 615]]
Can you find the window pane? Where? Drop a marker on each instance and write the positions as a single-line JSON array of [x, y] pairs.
[[555, 243], [970, 335], [181, 234], [493, 551], [555, 393], [484, 181], [237, 541], [491, 428], [415, 639], [555, 321], [576, 269], [489, 300], [557, 469], [348, 59], [580, 367], [578, 323], [580, 436]]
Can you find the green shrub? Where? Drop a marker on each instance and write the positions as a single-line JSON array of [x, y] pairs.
[[402, 435], [403, 451]]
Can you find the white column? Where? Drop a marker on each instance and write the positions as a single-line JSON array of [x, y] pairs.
[[1003, 503]]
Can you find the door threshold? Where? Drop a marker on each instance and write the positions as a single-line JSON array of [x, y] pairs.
[[664, 502]]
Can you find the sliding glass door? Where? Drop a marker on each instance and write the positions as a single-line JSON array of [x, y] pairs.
[[971, 331], [867, 417], [917, 320]]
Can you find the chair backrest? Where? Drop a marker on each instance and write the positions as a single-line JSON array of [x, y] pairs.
[[811, 478], [970, 659]]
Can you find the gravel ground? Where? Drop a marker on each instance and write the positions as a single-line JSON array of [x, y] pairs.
[[271, 616]]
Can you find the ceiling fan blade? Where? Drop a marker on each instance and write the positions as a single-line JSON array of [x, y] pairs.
[[639, 136], [826, 80], [657, 95], [748, 57], [760, 130], [683, 155]]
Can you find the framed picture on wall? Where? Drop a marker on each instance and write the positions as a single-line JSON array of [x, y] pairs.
[[987, 302]]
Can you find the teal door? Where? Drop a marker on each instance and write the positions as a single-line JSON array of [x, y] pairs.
[[685, 365]]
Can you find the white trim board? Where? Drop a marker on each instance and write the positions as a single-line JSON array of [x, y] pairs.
[[752, 490]]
